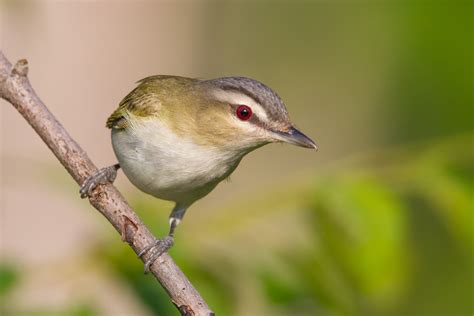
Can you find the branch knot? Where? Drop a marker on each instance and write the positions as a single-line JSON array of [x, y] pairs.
[[16, 88], [20, 68]]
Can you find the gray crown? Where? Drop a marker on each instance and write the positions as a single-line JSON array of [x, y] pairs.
[[258, 91]]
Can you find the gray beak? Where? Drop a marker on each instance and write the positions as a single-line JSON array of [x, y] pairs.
[[295, 137]]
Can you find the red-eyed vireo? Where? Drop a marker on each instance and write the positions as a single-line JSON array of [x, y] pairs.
[[176, 138]]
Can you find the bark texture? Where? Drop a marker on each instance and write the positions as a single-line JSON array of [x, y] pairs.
[[16, 89]]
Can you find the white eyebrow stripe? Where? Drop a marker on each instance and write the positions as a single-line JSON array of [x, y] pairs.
[[235, 97]]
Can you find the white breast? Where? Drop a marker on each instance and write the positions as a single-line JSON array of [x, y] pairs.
[[167, 166]]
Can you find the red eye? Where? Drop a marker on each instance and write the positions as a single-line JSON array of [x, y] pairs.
[[244, 112]]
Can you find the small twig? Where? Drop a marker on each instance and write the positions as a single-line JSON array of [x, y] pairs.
[[16, 88]]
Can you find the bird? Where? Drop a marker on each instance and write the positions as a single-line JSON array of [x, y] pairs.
[[176, 138]]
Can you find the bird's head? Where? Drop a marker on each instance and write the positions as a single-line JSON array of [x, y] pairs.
[[239, 113]]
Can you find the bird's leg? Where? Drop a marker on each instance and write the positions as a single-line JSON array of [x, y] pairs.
[[159, 247], [102, 176], [162, 245]]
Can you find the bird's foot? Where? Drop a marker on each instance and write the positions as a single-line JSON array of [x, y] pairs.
[[102, 176], [159, 247]]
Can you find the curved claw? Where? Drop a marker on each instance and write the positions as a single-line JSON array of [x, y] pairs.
[[147, 248], [101, 176], [159, 247], [88, 185]]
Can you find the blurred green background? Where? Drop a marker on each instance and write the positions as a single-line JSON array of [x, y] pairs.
[[378, 222]]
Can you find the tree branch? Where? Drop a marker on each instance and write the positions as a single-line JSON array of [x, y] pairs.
[[16, 88]]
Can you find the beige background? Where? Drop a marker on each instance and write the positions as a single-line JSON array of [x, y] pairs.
[[84, 57]]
